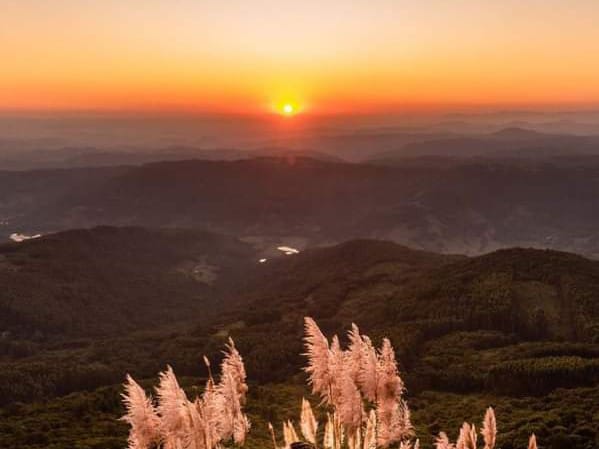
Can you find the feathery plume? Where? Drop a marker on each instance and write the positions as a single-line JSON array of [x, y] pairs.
[[195, 435], [354, 439], [241, 429], [289, 434], [329, 434], [271, 429], [489, 429], [351, 407], [232, 365], [308, 423], [141, 416], [339, 431], [355, 353], [234, 423], [336, 369], [209, 408], [370, 432], [172, 403], [208, 366], [390, 385], [367, 375], [473, 436], [461, 441], [442, 442], [532, 442], [467, 437], [318, 353], [177, 423], [392, 413]]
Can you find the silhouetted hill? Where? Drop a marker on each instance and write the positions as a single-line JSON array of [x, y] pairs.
[[511, 142], [440, 206], [516, 132]]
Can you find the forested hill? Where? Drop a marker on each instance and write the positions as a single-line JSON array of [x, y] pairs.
[[414, 296], [107, 280], [516, 329]]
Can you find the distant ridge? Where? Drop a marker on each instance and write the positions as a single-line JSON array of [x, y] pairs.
[[515, 132]]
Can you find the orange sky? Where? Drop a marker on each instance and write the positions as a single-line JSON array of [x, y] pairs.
[[250, 56]]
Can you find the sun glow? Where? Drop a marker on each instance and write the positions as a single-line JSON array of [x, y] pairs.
[[288, 109], [342, 57]]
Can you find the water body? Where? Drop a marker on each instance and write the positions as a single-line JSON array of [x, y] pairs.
[[16, 237]]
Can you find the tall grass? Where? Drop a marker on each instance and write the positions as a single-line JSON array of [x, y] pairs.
[[175, 422], [362, 398]]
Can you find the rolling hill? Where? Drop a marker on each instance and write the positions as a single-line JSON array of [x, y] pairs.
[[107, 281], [511, 142], [516, 329], [470, 207]]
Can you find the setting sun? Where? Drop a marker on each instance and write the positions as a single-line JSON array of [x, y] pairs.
[[288, 109]]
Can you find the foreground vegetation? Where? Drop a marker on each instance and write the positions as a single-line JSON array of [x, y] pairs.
[[361, 392], [516, 330]]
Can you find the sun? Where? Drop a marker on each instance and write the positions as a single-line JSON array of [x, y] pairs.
[[288, 109]]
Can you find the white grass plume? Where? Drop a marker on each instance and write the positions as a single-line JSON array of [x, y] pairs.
[[318, 354], [308, 423], [368, 371], [370, 431], [329, 433], [232, 365], [271, 429], [177, 423], [289, 434], [442, 442], [392, 413], [141, 416], [532, 442], [172, 403], [489, 429]]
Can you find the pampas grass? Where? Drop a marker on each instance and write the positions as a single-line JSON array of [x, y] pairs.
[[178, 423], [532, 442], [467, 438], [363, 394], [489, 430], [308, 423], [141, 416], [442, 442], [361, 391], [360, 388]]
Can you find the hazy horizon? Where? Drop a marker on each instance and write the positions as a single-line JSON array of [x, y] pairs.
[[152, 130]]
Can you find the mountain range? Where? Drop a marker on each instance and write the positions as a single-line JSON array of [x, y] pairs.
[[520, 139], [467, 206]]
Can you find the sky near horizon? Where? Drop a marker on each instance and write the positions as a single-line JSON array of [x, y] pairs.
[[253, 56]]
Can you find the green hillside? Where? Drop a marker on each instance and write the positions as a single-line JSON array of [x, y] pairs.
[[109, 280], [516, 329]]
